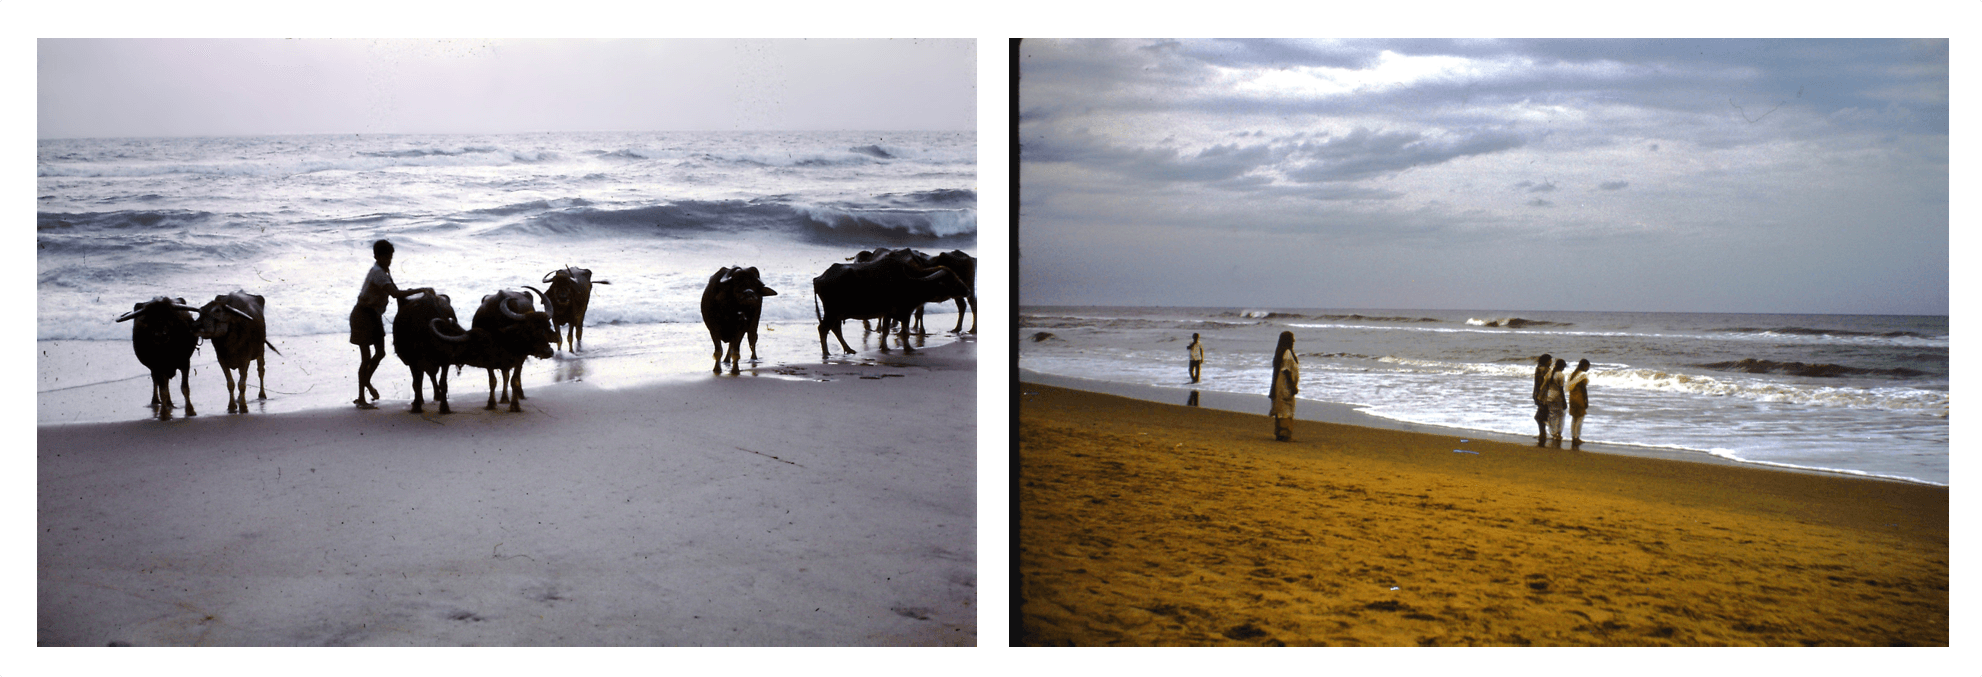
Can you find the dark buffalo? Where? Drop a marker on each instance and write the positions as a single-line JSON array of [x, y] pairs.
[[880, 253], [571, 294], [162, 336], [731, 305], [888, 288], [238, 330], [416, 346], [965, 266], [507, 330]]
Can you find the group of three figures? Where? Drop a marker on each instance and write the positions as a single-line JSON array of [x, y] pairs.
[[1555, 391]]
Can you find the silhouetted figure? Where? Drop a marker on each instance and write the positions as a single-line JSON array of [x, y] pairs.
[[162, 336], [368, 319], [732, 302], [1543, 366], [1197, 357], [1286, 384], [239, 332], [570, 295]]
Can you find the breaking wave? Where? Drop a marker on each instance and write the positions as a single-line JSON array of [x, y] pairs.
[[1754, 366], [825, 225], [1513, 323], [1276, 315]]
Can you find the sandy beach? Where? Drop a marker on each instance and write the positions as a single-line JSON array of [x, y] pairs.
[[1156, 524], [800, 503]]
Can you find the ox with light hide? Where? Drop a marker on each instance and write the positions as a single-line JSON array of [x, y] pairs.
[[570, 296], [731, 305], [239, 331], [162, 336]]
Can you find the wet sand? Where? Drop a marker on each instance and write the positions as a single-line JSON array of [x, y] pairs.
[[796, 505], [1155, 524]]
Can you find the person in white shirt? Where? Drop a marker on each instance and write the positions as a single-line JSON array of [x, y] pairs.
[[368, 319], [1197, 357]]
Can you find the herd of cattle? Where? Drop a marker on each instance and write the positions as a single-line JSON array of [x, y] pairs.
[[890, 286]]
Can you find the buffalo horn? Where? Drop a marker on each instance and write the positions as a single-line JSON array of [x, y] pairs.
[[541, 296], [434, 324], [146, 306], [237, 311], [504, 307]]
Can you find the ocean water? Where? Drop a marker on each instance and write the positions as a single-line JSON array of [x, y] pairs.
[[1863, 395], [120, 221], [292, 218]]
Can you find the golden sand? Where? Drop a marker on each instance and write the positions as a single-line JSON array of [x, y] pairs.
[[1153, 524]]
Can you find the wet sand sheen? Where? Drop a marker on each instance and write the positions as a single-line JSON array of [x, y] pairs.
[[1155, 524], [834, 505]]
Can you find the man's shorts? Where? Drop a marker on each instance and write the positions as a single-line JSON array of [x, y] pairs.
[[367, 327]]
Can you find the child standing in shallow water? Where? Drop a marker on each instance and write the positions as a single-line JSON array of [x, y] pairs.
[[1197, 357]]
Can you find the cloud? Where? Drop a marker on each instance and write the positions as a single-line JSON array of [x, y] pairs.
[[1416, 145], [1363, 154]]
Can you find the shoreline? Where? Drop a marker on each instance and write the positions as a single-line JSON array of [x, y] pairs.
[[1159, 524], [1347, 414], [824, 504], [101, 381]]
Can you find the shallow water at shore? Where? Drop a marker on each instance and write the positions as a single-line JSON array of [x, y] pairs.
[[1850, 394], [102, 381]]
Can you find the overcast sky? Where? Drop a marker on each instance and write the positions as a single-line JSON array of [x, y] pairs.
[[1660, 175], [120, 88]]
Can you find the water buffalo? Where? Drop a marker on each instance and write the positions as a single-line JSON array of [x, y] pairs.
[[162, 336], [731, 304], [507, 330], [888, 288], [416, 346], [571, 294], [238, 330], [965, 266]]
